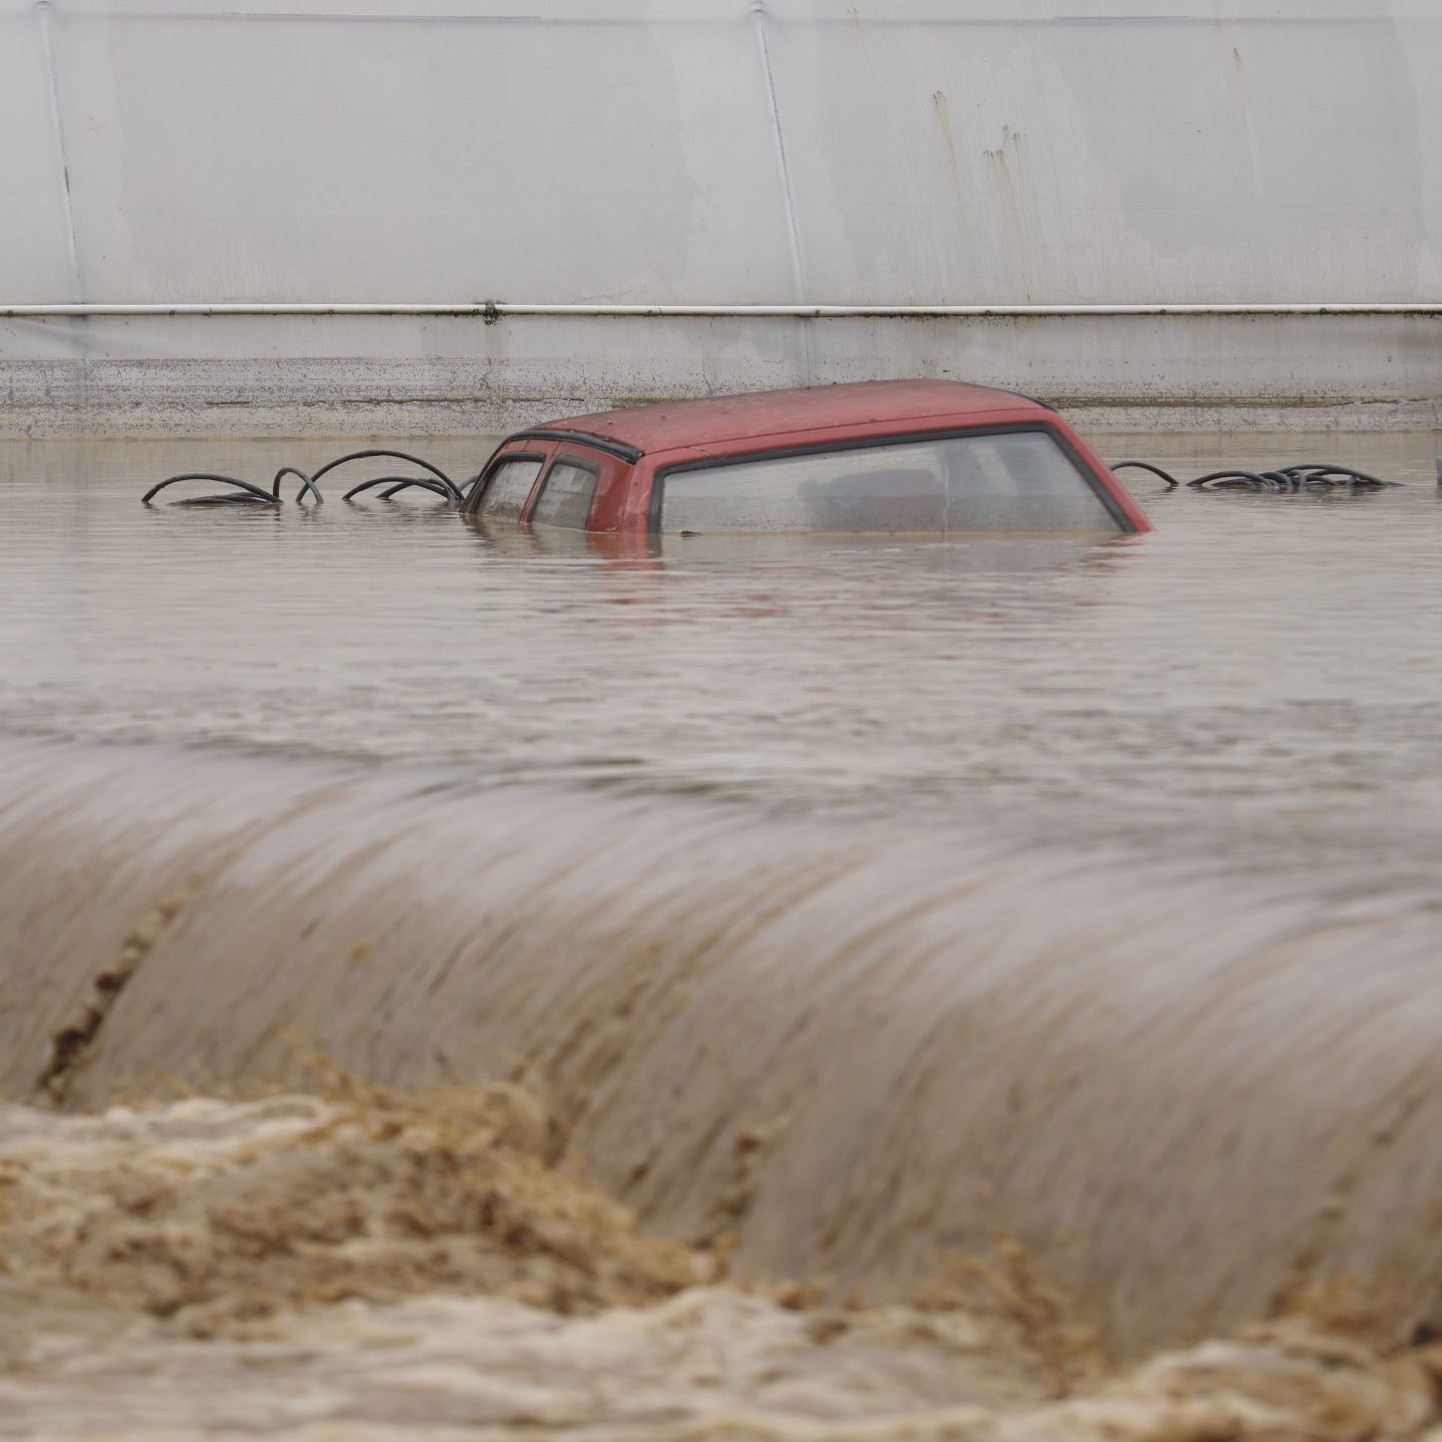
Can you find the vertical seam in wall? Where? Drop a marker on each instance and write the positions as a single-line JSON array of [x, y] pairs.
[[758, 17], [62, 151]]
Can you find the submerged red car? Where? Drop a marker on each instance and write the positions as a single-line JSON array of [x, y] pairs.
[[921, 457]]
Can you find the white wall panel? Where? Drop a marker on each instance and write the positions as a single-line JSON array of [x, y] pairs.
[[34, 255], [733, 151], [972, 151], [292, 157], [1081, 161]]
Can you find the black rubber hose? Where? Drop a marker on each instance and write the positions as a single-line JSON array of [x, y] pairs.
[[405, 481], [253, 492], [307, 483], [451, 491], [1317, 470], [399, 483], [1246, 478], [1302, 476], [1140, 466]]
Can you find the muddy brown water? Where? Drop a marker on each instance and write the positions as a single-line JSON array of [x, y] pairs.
[[874, 899]]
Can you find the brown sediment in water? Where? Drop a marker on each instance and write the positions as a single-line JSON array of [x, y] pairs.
[[824, 1054], [72, 1042], [218, 1216], [370, 1264]]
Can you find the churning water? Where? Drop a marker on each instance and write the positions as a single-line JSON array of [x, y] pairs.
[[855, 901]]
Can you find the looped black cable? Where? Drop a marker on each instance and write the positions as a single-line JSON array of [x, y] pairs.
[[1170, 479], [1231, 479], [399, 483], [307, 483], [438, 483], [451, 491], [250, 493], [1301, 476], [1321, 472]]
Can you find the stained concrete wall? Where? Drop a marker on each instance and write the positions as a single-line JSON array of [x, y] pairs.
[[970, 152]]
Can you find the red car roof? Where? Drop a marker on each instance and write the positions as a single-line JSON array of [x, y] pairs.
[[716, 419]]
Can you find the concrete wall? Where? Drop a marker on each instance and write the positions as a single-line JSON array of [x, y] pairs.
[[952, 152]]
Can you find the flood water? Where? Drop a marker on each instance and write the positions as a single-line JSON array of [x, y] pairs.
[[847, 904], [1259, 673]]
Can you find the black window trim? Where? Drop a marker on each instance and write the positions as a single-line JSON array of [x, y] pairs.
[[619, 449], [816, 448], [501, 458], [578, 463]]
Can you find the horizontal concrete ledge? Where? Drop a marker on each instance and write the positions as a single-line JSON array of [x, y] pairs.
[[496, 310], [278, 371]]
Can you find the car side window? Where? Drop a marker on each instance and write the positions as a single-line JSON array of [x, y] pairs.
[[509, 488], [566, 496]]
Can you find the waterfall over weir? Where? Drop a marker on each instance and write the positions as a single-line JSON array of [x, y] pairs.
[[860, 1047]]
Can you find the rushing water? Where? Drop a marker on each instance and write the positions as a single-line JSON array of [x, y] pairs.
[[860, 901]]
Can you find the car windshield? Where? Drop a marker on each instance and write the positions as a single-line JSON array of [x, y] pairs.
[[998, 481]]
